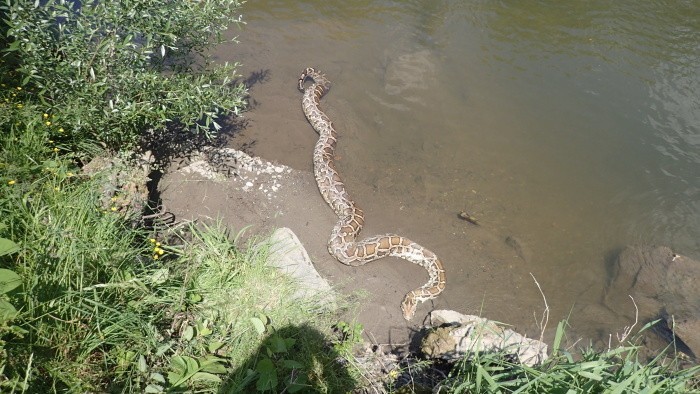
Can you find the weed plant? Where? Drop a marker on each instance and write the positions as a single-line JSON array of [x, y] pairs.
[[616, 370], [106, 72]]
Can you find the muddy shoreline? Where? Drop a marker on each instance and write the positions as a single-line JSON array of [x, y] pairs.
[[262, 196]]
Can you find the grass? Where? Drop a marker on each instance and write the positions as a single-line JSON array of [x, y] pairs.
[[97, 312], [619, 369]]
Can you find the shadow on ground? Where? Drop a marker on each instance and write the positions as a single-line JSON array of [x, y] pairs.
[[292, 359]]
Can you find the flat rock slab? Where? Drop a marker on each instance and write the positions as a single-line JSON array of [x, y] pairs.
[[456, 335], [288, 254]]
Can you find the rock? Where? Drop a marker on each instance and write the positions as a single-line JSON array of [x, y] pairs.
[[664, 285], [289, 255], [408, 75], [124, 183], [456, 335]]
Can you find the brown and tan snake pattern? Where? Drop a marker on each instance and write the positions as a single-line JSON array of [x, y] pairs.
[[343, 244]]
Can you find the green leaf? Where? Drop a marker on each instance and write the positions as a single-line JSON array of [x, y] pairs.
[[154, 388], [292, 364], [7, 311], [258, 324], [267, 380], [212, 364], [7, 247], [157, 377], [8, 280], [590, 375], [143, 367], [278, 345], [215, 345], [188, 334], [163, 348], [207, 377], [182, 368]]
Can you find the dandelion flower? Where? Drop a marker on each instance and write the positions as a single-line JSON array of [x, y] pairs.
[[20, 106], [19, 88], [155, 257], [152, 240], [160, 252], [55, 149], [12, 182], [48, 123], [157, 243], [113, 209], [60, 130], [46, 116]]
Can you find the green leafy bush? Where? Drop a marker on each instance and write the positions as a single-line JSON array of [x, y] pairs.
[[109, 71]]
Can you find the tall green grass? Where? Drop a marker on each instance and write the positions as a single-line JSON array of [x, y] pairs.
[[99, 313], [617, 370]]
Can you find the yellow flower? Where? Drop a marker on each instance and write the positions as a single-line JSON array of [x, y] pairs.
[[46, 116], [20, 106], [113, 209], [157, 243], [155, 257], [56, 188], [55, 149], [152, 240], [48, 123], [50, 141], [69, 174], [60, 130], [12, 182], [19, 88], [160, 251]]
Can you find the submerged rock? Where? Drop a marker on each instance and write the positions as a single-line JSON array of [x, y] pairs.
[[664, 285], [456, 335], [519, 247]]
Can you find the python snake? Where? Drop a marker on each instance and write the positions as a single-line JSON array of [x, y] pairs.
[[343, 244]]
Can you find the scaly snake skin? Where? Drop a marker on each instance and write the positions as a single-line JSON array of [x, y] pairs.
[[343, 244]]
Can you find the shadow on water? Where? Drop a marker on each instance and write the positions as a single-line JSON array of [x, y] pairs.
[[292, 359]]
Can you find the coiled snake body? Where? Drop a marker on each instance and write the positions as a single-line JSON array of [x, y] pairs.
[[343, 244]]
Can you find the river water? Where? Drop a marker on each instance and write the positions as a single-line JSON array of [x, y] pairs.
[[574, 126]]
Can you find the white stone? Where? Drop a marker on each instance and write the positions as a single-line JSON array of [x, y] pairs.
[[289, 255], [458, 335]]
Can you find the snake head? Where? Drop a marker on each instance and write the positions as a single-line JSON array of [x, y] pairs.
[[408, 306]]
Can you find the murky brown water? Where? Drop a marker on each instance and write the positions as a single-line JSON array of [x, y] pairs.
[[574, 126]]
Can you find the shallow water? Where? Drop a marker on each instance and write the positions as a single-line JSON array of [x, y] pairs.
[[574, 126]]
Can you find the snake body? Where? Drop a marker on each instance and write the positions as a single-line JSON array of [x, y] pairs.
[[343, 243]]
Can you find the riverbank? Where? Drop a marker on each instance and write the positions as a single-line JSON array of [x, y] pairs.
[[248, 192]]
